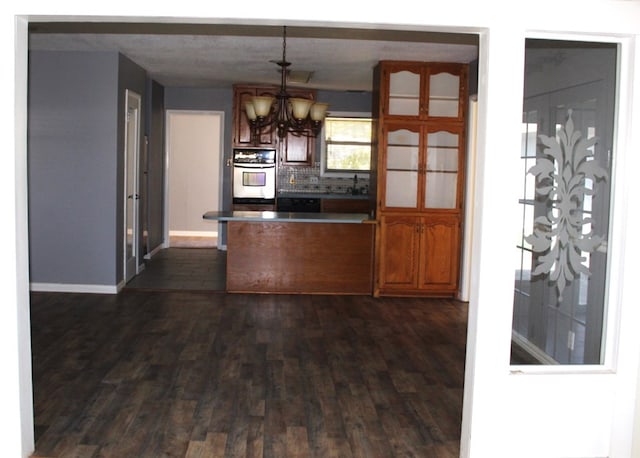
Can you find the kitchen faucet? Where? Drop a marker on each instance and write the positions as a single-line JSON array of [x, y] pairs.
[[355, 189]]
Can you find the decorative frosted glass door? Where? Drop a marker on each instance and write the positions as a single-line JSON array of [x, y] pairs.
[[402, 168], [559, 300]]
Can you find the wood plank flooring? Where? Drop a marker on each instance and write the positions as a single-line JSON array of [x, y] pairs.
[[202, 374], [183, 269]]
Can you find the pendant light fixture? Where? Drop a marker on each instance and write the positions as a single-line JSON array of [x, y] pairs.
[[284, 113]]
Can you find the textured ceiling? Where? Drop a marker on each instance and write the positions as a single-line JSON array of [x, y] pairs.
[[196, 55]]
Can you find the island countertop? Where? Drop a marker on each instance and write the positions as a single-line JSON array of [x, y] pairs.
[[292, 217]]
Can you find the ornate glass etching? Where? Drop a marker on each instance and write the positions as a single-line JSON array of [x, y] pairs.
[[562, 175], [564, 203]]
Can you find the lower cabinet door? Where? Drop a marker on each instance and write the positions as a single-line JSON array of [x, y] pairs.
[[399, 251], [419, 255], [440, 248]]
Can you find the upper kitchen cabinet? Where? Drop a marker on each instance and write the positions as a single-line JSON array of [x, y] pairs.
[[241, 128], [423, 91], [292, 150], [297, 150]]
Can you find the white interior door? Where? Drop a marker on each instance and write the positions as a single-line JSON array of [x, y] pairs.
[[132, 185], [573, 404]]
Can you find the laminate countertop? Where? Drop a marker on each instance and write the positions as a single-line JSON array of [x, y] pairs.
[[292, 217]]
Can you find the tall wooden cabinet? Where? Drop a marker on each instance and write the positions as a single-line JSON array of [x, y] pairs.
[[292, 150], [420, 158]]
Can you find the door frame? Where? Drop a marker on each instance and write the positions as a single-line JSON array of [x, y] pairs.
[[167, 167], [487, 311], [131, 265]]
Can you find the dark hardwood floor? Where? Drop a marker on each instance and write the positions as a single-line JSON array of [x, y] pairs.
[[151, 373], [183, 269]]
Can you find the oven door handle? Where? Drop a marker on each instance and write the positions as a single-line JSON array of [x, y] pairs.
[[267, 166]]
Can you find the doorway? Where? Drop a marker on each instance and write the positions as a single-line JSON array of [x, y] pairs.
[[193, 184]]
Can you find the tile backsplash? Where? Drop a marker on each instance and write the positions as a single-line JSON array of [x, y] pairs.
[[308, 179]]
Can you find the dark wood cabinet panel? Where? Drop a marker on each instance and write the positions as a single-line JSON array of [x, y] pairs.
[[297, 150], [344, 205]]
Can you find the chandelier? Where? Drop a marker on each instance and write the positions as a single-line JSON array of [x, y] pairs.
[[284, 113]]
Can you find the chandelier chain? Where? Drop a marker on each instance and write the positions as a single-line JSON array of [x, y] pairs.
[[285, 114]]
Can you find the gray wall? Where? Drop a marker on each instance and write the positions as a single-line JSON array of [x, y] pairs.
[[75, 154], [72, 167], [346, 101], [153, 192]]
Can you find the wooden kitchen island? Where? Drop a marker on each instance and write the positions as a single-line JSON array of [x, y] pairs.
[[301, 253]]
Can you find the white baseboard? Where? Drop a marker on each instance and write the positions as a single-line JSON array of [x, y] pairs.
[[153, 252], [194, 233], [70, 288]]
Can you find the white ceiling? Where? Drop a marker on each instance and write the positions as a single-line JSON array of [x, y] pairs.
[[196, 55]]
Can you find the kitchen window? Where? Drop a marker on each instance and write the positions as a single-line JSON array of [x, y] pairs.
[[346, 144]]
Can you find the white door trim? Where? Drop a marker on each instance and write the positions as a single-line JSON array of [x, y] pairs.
[[131, 264], [167, 166]]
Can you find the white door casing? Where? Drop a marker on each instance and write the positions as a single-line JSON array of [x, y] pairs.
[[193, 172], [131, 241]]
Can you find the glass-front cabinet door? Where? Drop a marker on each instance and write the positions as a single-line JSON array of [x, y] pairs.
[[422, 91], [442, 168], [405, 91], [402, 164], [422, 167], [445, 87]]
